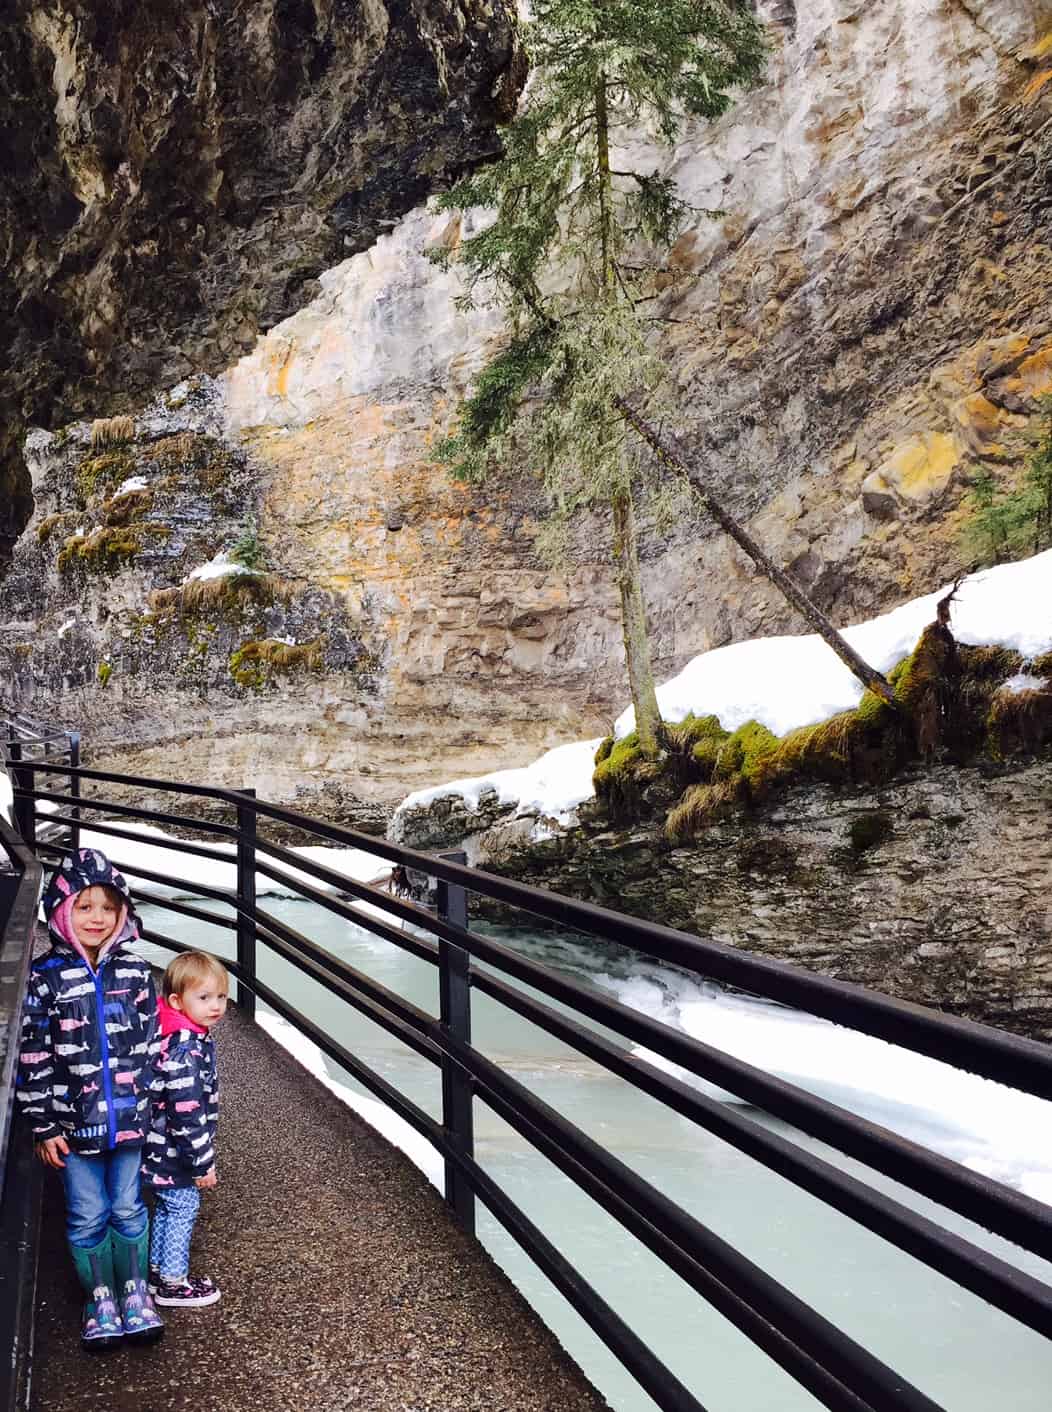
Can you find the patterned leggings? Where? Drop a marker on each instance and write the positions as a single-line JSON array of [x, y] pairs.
[[173, 1225]]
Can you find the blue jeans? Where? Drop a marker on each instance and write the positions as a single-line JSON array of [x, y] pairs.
[[101, 1192], [173, 1226]]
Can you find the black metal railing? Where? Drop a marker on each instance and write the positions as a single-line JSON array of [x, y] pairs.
[[19, 1175], [835, 1368]]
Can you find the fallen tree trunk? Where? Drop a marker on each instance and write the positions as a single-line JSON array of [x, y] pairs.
[[666, 448]]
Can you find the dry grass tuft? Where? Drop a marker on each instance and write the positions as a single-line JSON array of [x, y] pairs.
[[111, 431], [201, 596]]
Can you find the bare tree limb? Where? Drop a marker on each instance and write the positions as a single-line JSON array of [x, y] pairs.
[[672, 455]]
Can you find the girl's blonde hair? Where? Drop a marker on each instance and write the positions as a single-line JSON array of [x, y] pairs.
[[191, 967]]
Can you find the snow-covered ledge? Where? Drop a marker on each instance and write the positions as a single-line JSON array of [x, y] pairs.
[[782, 682]]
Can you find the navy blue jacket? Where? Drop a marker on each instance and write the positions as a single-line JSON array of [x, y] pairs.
[[87, 1033], [86, 1039], [184, 1106]]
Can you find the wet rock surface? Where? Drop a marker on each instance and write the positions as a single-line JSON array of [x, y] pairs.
[[175, 176], [936, 887], [346, 1283]]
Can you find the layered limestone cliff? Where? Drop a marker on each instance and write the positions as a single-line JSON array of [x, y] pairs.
[[174, 176], [866, 326]]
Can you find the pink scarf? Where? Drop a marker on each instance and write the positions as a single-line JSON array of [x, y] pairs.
[[173, 1020]]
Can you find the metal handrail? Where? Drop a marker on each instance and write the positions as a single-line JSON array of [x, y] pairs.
[[20, 875], [839, 1372]]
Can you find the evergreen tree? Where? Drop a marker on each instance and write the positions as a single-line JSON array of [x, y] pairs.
[[575, 254], [1006, 524]]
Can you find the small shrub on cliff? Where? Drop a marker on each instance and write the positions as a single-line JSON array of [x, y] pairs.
[[1007, 523]]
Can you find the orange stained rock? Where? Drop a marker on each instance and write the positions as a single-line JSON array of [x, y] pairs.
[[1035, 373], [1035, 85]]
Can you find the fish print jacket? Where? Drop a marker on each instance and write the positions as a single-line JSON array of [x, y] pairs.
[[184, 1105], [86, 1040]]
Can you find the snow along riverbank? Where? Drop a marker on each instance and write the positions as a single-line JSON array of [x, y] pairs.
[[782, 682]]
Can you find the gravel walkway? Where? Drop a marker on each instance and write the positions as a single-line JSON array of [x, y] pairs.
[[345, 1282]]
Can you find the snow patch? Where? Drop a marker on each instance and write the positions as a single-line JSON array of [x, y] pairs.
[[218, 567], [1023, 681], [132, 483], [783, 682], [66, 627]]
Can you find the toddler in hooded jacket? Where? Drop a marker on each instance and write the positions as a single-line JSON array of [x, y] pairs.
[[179, 1158], [87, 1029]]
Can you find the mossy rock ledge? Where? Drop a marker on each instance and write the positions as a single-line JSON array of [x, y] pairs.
[[906, 849]]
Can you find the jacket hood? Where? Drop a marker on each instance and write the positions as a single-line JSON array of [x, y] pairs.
[[77, 871]]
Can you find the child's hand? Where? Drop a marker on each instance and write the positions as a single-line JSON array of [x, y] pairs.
[[208, 1180], [52, 1151]]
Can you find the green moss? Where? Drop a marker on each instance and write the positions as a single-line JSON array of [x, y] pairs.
[[105, 671], [1042, 666], [95, 472], [62, 521], [620, 778], [108, 548], [255, 664], [745, 752], [1019, 722]]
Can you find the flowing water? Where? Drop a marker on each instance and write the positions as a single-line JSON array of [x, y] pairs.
[[957, 1349]]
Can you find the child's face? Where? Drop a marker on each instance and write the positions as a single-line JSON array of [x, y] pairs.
[[204, 1001], [94, 916]]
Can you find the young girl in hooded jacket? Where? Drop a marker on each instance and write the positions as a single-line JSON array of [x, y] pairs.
[[87, 1033], [179, 1160]]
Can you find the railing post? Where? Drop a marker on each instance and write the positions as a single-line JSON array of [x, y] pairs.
[[24, 809], [74, 790], [454, 994], [246, 897]]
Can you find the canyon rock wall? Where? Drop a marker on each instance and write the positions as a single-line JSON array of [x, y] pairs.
[[862, 328], [174, 176], [936, 887]]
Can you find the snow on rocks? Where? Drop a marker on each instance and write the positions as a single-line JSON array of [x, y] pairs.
[[782, 682], [220, 566], [132, 483]]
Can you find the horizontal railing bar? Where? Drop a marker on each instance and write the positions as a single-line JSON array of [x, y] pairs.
[[186, 909], [425, 950], [133, 811], [651, 1374], [1005, 1286], [156, 938], [218, 894], [814, 1342], [178, 845], [1008, 1213], [1009, 1059], [1017, 1217], [199, 791], [359, 992]]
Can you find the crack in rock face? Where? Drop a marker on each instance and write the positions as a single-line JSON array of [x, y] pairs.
[[174, 176]]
